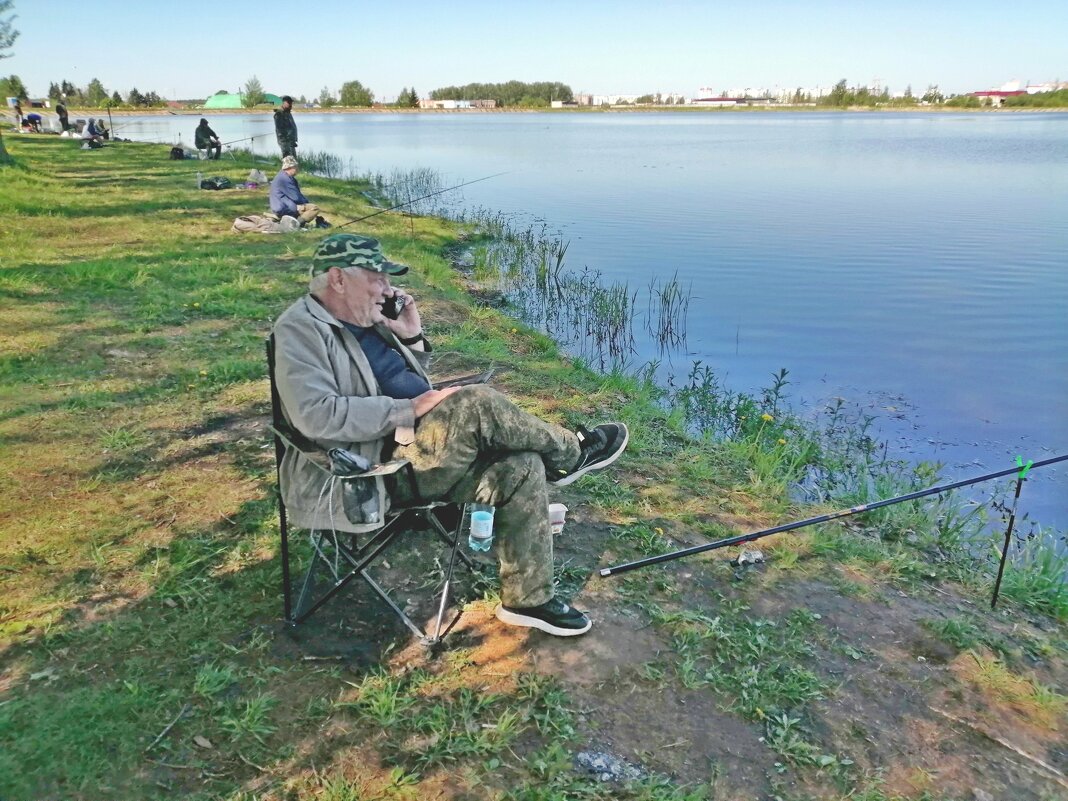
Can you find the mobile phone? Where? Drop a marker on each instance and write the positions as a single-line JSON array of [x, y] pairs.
[[391, 307]]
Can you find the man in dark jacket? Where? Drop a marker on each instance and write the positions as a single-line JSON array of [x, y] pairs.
[[206, 139], [285, 197], [64, 120], [285, 129]]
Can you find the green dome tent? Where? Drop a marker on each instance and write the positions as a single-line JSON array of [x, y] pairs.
[[227, 100]]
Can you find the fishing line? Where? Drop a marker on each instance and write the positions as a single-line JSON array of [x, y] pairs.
[[245, 139], [424, 197]]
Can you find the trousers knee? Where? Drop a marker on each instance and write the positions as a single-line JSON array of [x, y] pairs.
[[517, 472]]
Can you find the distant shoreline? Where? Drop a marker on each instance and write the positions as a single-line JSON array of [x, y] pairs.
[[215, 112]]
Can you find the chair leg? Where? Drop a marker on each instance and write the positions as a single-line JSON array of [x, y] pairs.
[[308, 587], [287, 592], [358, 560], [412, 626], [445, 592]]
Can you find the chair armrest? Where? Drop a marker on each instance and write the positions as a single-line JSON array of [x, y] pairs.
[[320, 459], [315, 454], [385, 469]]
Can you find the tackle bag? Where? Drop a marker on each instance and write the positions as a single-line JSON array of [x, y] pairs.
[[216, 182]]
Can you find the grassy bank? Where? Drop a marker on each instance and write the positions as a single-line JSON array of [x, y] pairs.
[[141, 647]]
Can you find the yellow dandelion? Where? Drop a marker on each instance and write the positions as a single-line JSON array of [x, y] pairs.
[[203, 372], [515, 330], [196, 305], [767, 418], [782, 441]]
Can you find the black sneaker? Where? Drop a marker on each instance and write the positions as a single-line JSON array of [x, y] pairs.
[[600, 448], [553, 617]]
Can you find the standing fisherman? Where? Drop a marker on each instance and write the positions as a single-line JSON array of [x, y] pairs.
[[61, 112], [285, 128]]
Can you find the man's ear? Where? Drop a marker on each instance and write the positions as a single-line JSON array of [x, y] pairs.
[[335, 280]]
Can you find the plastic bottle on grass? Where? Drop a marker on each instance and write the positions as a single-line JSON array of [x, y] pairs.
[[480, 537], [200, 179]]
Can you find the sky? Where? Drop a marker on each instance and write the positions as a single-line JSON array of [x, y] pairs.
[[183, 50]]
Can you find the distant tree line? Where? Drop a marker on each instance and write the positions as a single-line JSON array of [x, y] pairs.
[[1059, 98], [512, 93], [654, 99], [844, 96], [93, 95]]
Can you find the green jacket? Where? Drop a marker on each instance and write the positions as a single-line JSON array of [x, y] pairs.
[[203, 136], [284, 127]]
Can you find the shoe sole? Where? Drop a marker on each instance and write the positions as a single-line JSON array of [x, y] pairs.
[[572, 477], [513, 619]]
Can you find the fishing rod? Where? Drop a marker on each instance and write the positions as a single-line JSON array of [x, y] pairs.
[[234, 141], [424, 197], [1020, 478], [853, 510]]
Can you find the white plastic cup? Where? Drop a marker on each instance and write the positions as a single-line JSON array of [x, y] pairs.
[[557, 515]]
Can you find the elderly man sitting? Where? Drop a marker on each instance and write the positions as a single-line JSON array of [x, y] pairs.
[[287, 200], [349, 376]]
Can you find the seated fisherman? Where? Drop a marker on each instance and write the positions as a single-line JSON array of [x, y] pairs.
[[287, 200], [206, 139], [92, 132], [350, 377]]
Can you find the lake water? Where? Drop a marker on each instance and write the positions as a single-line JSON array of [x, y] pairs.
[[915, 264]]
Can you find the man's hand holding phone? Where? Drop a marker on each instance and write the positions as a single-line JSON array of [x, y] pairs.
[[401, 315]]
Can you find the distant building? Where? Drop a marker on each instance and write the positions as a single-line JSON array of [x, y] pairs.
[[456, 105], [997, 96], [1049, 86], [718, 101]]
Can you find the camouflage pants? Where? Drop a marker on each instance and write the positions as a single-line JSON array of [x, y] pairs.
[[478, 446], [307, 212]]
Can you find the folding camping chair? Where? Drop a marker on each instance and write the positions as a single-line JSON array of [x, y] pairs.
[[358, 558]]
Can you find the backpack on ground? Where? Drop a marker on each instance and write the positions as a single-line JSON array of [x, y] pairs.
[[216, 182], [177, 153]]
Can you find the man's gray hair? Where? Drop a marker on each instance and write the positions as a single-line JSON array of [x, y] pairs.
[[318, 283]]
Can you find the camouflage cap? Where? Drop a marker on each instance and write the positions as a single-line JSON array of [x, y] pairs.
[[352, 250]]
